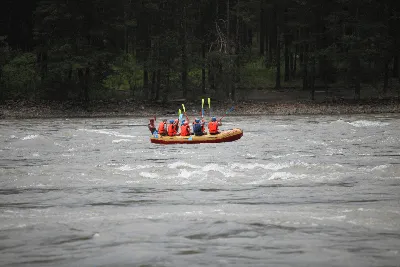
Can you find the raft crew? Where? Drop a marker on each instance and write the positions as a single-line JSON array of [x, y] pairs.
[[162, 127], [213, 126], [185, 129], [172, 128], [176, 124], [151, 126], [198, 127]]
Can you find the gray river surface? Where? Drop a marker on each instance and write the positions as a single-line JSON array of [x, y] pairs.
[[293, 191]]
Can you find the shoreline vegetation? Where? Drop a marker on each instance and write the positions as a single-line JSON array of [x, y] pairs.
[[129, 108], [143, 58]]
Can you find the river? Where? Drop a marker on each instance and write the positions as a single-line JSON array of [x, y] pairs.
[[293, 191]]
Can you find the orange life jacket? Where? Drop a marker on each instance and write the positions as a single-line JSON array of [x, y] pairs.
[[185, 130], [161, 128], [213, 127], [171, 130]]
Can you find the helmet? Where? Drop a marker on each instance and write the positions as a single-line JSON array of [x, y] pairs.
[[151, 120], [183, 122], [186, 123], [214, 119], [197, 120], [171, 121]]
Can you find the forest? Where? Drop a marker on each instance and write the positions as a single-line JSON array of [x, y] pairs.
[[158, 50]]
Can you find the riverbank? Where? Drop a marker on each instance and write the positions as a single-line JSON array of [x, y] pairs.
[[43, 109]]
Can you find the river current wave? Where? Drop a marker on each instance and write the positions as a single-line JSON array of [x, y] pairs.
[[293, 191]]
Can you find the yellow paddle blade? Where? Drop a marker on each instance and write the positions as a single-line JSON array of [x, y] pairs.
[[183, 106], [209, 103], [202, 103], [179, 112]]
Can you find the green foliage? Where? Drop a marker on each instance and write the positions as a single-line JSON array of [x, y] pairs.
[[126, 74], [97, 47], [20, 76]]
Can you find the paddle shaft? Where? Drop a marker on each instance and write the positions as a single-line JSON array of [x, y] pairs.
[[226, 113]]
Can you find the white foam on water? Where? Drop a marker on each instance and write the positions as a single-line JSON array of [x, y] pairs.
[[179, 164], [109, 133], [30, 137], [284, 176], [120, 140], [332, 218], [252, 166], [347, 210], [291, 154], [376, 168], [184, 173], [137, 167], [365, 123], [151, 175], [226, 171]]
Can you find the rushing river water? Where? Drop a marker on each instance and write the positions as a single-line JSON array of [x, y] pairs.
[[294, 191]]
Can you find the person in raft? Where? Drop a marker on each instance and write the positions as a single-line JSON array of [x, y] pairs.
[[172, 128], [176, 124], [213, 126], [152, 127], [185, 129], [162, 127], [198, 127]]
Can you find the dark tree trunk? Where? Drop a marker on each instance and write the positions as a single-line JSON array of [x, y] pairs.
[[262, 31], [203, 67], [312, 80], [271, 35], [86, 88], [278, 62], [153, 85], [167, 86], [287, 62], [145, 81], [1, 86], [157, 97], [357, 80], [250, 37], [83, 76], [184, 56], [304, 60], [386, 78], [291, 63], [295, 64], [211, 76], [395, 66]]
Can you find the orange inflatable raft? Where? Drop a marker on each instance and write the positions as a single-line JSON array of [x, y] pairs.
[[224, 136]]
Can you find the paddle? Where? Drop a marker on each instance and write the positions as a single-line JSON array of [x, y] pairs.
[[209, 106], [202, 107], [180, 115], [226, 113], [184, 112]]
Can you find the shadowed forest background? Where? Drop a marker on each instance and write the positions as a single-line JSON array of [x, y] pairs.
[[158, 50]]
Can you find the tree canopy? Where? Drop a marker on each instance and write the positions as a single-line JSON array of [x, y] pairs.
[[156, 50]]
